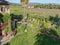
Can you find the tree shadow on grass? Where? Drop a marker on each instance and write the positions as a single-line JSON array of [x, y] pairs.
[[14, 20], [7, 43], [55, 20], [18, 17], [47, 37]]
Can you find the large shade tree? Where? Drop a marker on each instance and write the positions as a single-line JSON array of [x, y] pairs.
[[24, 2]]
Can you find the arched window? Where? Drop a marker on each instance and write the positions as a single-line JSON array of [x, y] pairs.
[[1, 9]]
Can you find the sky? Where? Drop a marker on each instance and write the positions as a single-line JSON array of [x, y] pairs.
[[38, 1]]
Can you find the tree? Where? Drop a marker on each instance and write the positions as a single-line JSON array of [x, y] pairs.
[[24, 2]]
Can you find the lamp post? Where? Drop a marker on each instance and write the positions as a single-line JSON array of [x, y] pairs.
[[24, 4]]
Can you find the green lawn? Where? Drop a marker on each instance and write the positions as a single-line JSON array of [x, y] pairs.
[[32, 11], [16, 9], [24, 38], [35, 35]]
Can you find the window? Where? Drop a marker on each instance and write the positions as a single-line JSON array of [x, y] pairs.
[[1, 9]]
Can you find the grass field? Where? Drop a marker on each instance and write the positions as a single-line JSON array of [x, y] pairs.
[[20, 10], [34, 35]]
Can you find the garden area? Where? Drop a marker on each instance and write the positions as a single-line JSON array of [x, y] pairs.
[[37, 30], [29, 24]]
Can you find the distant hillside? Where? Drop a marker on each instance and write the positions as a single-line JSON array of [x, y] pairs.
[[14, 4], [39, 5]]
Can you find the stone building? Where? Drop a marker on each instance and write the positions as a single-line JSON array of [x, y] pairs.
[[4, 6]]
